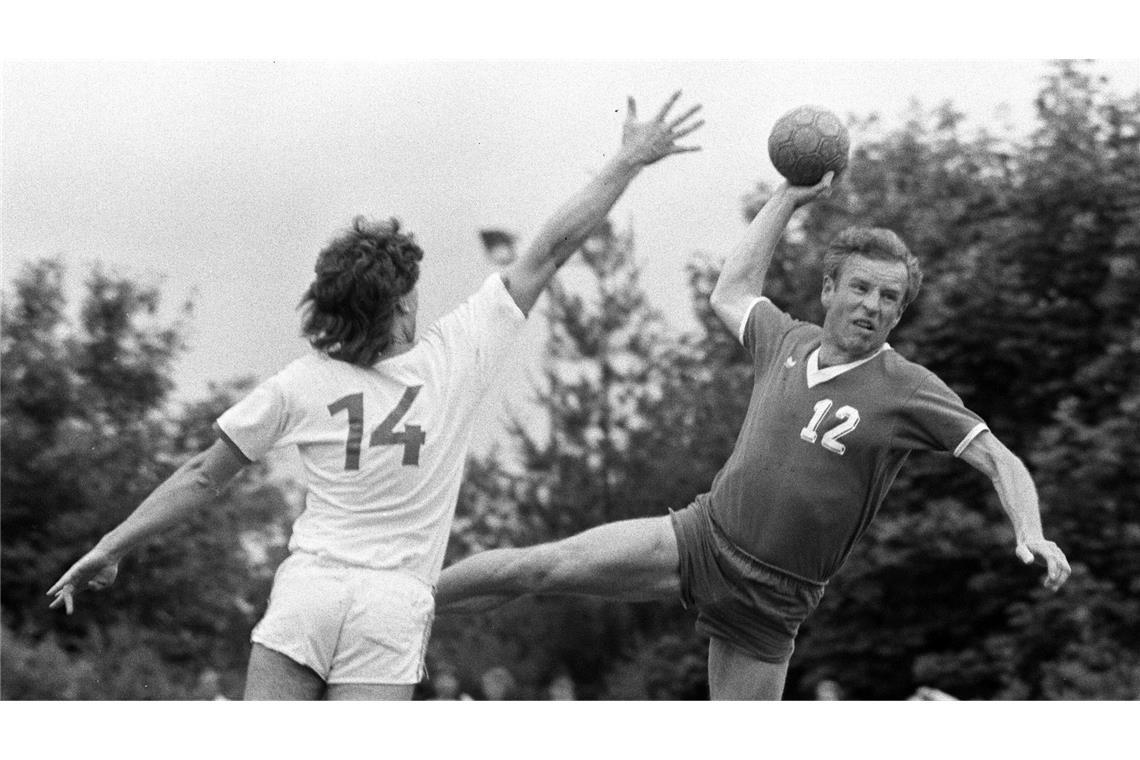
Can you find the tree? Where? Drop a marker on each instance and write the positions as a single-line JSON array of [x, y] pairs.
[[74, 402], [616, 445], [88, 432]]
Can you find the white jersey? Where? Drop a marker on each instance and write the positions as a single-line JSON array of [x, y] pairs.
[[383, 447]]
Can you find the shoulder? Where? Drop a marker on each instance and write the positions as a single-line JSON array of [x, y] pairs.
[[767, 315], [311, 369], [477, 331], [901, 370], [309, 363], [799, 336], [915, 384], [496, 291], [764, 310], [491, 303], [905, 381]]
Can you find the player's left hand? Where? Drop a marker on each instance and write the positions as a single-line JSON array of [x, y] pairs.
[[1046, 553], [646, 142], [95, 570]]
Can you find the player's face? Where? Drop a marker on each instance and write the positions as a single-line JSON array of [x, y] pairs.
[[863, 306]]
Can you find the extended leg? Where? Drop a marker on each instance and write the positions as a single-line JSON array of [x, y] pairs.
[[631, 560], [272, 675], [733, 674]]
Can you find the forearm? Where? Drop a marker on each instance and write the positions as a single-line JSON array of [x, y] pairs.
[[746, 267], [567, 228], [189, 489], [1018, 495]]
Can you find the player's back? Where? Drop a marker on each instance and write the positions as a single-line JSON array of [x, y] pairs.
[[383, 447], [383, 450]]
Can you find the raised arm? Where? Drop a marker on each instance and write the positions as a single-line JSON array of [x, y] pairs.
[[643, 143], [1018, 496], [741, 280], [188, 489]]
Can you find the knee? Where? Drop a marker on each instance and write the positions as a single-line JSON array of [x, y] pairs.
[[551, 564]]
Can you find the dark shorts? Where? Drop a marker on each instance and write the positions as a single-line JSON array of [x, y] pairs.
[[747, 603]]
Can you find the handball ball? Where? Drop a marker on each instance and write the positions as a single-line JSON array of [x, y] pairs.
[[808, 142]]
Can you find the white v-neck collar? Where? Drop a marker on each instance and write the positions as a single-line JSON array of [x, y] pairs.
[[815, 375]]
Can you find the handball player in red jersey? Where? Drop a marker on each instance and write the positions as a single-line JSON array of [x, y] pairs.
[[833, 415]]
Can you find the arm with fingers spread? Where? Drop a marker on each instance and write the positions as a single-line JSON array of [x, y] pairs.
[[1018, 495], [191, 487], [741, 280], [643, 143]]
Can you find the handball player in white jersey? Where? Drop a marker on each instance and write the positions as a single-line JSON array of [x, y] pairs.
[[382, 421]]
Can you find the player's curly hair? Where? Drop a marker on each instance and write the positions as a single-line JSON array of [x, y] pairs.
[[874, 243], [360, 277]]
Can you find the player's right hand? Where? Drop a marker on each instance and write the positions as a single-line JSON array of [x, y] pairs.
[[95, 570], [1046, 553], [801, 195]]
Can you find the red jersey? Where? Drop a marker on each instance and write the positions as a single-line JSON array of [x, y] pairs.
[[819, 449]]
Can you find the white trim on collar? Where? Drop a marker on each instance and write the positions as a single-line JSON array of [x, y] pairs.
[[815, 375]]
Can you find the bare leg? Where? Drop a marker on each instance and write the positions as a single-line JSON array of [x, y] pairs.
[[370, 691], [733, 674], [630, 560], [272, 675]]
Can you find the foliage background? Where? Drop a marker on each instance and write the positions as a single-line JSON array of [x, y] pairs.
[[1032, 256]]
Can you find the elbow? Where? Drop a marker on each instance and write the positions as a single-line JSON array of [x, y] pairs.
[[988, 460], [200, 478], [719, 306], [987, 455], [716, 299], [988, 466], [721, 298], [729, 304], [1003, 464], [733, 289], [206, 485], [204, 478]]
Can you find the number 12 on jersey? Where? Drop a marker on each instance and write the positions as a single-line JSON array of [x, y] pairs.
[[850, 417], [385, 433]]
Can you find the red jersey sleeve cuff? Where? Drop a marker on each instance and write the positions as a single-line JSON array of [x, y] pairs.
[[748, 313], [978, 429]]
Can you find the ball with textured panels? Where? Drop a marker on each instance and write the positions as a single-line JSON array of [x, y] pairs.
[[806, 143]]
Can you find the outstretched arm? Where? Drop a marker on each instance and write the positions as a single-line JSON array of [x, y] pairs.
[[643, 143], [1018, 496], [188, 489], [741, 280]]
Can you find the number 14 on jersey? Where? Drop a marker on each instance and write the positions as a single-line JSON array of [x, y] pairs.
[[412, 437]]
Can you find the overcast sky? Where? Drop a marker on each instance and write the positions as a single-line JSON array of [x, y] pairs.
[[221, 180]]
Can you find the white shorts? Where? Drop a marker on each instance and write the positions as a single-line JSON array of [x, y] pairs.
[[349, 624]]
